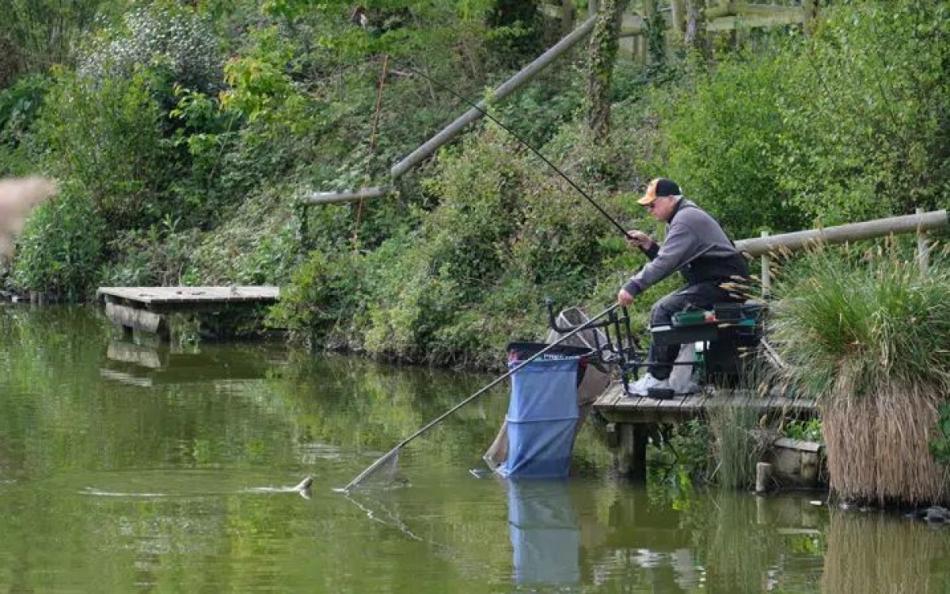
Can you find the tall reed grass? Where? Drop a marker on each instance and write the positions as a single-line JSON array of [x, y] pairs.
[[737, 444], [868, 336]]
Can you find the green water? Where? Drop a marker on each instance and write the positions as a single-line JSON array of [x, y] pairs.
[[129, 469]]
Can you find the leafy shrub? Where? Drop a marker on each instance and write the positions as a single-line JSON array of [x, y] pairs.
[[60, 248], [160, 255], [864, 111], [321, 299], [721, 134], [108, 140], [808, 430], [164, 35], [19, 106]]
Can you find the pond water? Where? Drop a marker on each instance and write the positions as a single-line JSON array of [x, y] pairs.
[[125, 468]]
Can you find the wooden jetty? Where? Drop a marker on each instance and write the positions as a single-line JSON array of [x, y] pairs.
[[147, 308], [631, 420]]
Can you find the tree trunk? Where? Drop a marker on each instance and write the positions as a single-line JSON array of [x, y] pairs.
[[696, 38], [604, 42]]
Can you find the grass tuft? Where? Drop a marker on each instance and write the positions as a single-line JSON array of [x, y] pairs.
[[868, 336]]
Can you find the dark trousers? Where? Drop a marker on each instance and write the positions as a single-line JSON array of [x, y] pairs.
[[699, 296]]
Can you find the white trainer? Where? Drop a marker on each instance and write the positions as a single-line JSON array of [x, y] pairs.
[[642, 386]]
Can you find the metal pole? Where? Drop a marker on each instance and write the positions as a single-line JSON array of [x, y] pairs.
[[766, 274], [505, 89]]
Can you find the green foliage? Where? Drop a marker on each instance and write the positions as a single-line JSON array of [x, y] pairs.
[[721, 135], [864, 112], [108, 140], [838, 127], [867, 319], [60, 249], [807, 430], [322, 296], [163, 35], [160, 255], [40, 33], [259, 80], [19, 105]]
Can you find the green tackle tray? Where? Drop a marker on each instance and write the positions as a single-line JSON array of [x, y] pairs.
[[694, 317]]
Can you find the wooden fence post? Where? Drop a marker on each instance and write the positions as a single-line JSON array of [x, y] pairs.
[[567, 17], [766, 276], [592, 7], [923, 250]]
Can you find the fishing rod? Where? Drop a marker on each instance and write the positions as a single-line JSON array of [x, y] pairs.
[[526, 144], [382, 460]]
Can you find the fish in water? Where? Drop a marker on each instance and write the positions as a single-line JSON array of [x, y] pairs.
[[302, 488], [305, 484]]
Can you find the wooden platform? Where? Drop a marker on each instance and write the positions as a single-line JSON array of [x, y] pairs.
[[617, 407], [631, 421], [146, 309], [169, 299]]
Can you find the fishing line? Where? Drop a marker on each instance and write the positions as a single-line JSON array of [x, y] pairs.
[[526, 144]]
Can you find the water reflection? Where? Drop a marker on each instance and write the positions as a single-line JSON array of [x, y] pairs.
[[545, 536], [875, 553], [151, 365]]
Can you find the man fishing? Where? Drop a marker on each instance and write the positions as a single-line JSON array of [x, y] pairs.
[[695, 245]]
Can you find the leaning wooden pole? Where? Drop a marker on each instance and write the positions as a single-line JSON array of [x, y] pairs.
[[452, 130], [508, 87], [914, 223]]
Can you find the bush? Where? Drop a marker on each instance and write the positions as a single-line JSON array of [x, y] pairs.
[[165, 36], [864, 110], [721, 136], [60, 249], [19, 106], [108, 140], [321, 300]]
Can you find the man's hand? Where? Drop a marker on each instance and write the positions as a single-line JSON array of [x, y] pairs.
[[638, 239], [624, 298]]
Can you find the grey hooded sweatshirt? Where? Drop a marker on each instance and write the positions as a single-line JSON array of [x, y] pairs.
[[697, 246]]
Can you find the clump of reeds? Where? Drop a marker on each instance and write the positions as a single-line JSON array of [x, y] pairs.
[[868, 336], [738, 444]]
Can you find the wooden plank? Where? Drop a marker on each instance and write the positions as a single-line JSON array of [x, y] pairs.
[[616, 407], [153, 295], [136, 319], [798, 444], [175, 299]]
